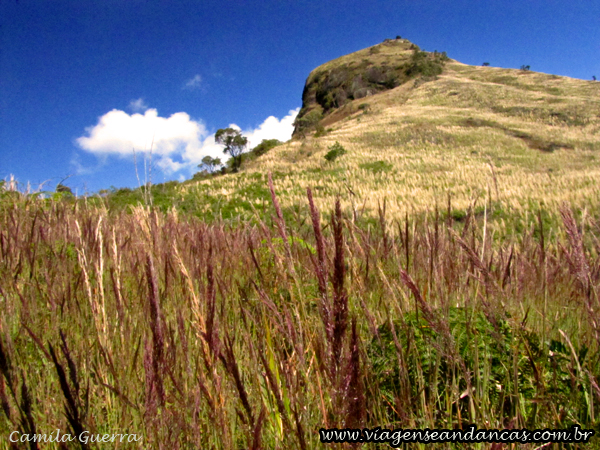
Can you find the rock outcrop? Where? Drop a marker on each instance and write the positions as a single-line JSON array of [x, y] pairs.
[[362, 74]]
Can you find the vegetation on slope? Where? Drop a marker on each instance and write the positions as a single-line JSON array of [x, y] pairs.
[[362, 74], [522, 139], [206, 336], [257, 322]]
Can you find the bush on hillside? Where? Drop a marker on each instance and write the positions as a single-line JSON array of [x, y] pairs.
[[320, 131], [308, 120], [335, 151], [426, 65], [259, 150], [61, 188], [265, 146], [202, 175]]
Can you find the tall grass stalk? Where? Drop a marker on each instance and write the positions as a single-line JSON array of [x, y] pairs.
[[197, 335]]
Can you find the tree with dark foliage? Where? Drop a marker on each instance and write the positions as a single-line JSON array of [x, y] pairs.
[[210, 164], [234, 143]]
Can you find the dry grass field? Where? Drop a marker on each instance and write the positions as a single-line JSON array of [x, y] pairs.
[[444, 271], [191, 335], [476, 134]]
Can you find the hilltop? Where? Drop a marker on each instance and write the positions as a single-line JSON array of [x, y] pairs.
[[367, 72], [419, 128]]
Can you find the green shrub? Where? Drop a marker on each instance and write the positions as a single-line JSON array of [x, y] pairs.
[[307, 121], [377, 166], [365, 108], [424, 64], [265, 146], [202, 175], [486, 347], [320, 130], [63, 189], [335, 151]]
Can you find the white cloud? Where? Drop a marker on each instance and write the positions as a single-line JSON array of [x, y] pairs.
[[138, 105], [193, 83], [272, 128], [177, 143], [118, 132]]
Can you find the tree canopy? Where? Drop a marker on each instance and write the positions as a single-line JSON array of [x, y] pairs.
[[210, 164], [234, 143]]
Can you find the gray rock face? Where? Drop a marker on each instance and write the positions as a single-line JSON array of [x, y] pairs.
[[362, 74]]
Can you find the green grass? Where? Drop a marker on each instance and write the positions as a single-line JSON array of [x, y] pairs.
[[376, 166], [198, 335], [530, 138], [451, 285]]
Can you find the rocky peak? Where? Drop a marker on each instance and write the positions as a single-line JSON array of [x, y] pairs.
[[362, 74]]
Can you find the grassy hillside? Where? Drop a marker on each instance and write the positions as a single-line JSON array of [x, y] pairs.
[[448, 285], [519, 138]]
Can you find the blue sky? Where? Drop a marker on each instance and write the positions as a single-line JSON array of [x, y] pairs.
[[84, 82]]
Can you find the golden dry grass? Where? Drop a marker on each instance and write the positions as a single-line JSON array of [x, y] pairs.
[[521, 138], [197, 335]]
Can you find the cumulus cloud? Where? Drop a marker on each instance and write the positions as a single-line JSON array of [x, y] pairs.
[[138, 105], [272, 128], [193, 83], [177, 143], [120, 134]]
